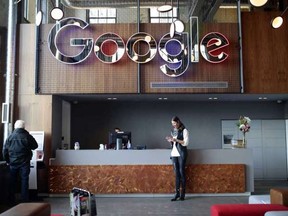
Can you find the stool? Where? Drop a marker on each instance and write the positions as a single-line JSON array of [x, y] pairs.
[[29, 209], [279, 196]]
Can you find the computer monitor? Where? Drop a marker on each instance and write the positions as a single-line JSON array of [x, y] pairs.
[[124, 135]]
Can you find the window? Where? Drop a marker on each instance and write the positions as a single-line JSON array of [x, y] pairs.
[[156, 17], [102, 15]]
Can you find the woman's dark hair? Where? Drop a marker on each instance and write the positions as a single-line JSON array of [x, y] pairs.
[[177, 119]]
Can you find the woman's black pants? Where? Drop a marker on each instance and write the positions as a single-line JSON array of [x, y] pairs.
[[179, 164]]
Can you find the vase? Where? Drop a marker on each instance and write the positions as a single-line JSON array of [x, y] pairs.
[[244, 141]]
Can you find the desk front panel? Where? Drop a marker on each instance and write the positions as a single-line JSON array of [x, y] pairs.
[[143, 179]]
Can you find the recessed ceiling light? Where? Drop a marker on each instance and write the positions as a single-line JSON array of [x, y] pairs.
[[262, 98]]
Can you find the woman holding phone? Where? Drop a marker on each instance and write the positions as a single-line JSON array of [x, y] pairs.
[[179, 139]]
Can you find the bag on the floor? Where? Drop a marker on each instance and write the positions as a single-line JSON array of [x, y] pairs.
[[82, 203]]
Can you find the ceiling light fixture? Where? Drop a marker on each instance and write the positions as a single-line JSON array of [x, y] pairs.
[[172, 28], [57, 13], [39, 17], [177, 25], [278, 21], [263, 98], [212, 98], [258, 3], [165, 8]]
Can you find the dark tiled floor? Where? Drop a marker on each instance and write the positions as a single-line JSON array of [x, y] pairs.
[[195, 205]]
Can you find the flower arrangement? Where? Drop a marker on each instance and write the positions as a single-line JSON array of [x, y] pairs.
[[243, 124]]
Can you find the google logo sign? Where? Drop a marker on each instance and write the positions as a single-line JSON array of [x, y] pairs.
[[175, 51]]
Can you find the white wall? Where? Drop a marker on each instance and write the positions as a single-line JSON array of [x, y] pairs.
[[267, 139]]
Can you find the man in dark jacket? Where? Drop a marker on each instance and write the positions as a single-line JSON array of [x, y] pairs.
[[17, 152]]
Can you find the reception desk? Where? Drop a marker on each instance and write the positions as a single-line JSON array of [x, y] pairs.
[[208, 171]]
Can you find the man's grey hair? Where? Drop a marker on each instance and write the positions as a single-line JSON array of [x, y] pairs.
[[19, 124]]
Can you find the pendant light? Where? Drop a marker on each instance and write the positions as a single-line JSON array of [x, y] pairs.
[[177, 25], [172, 25], [258, 3], [278, 21], [39, 17], [57, 13], [165, 8]]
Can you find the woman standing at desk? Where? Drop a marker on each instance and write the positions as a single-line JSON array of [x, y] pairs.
[[180, 138]]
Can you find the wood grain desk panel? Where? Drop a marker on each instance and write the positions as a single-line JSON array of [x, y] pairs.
[[155, 179]]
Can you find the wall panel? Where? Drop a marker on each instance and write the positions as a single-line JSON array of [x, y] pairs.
[[150, 122], [149, 179], [265, 52], [227, 71], [35, 110], [90, 76], [93, 76]]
